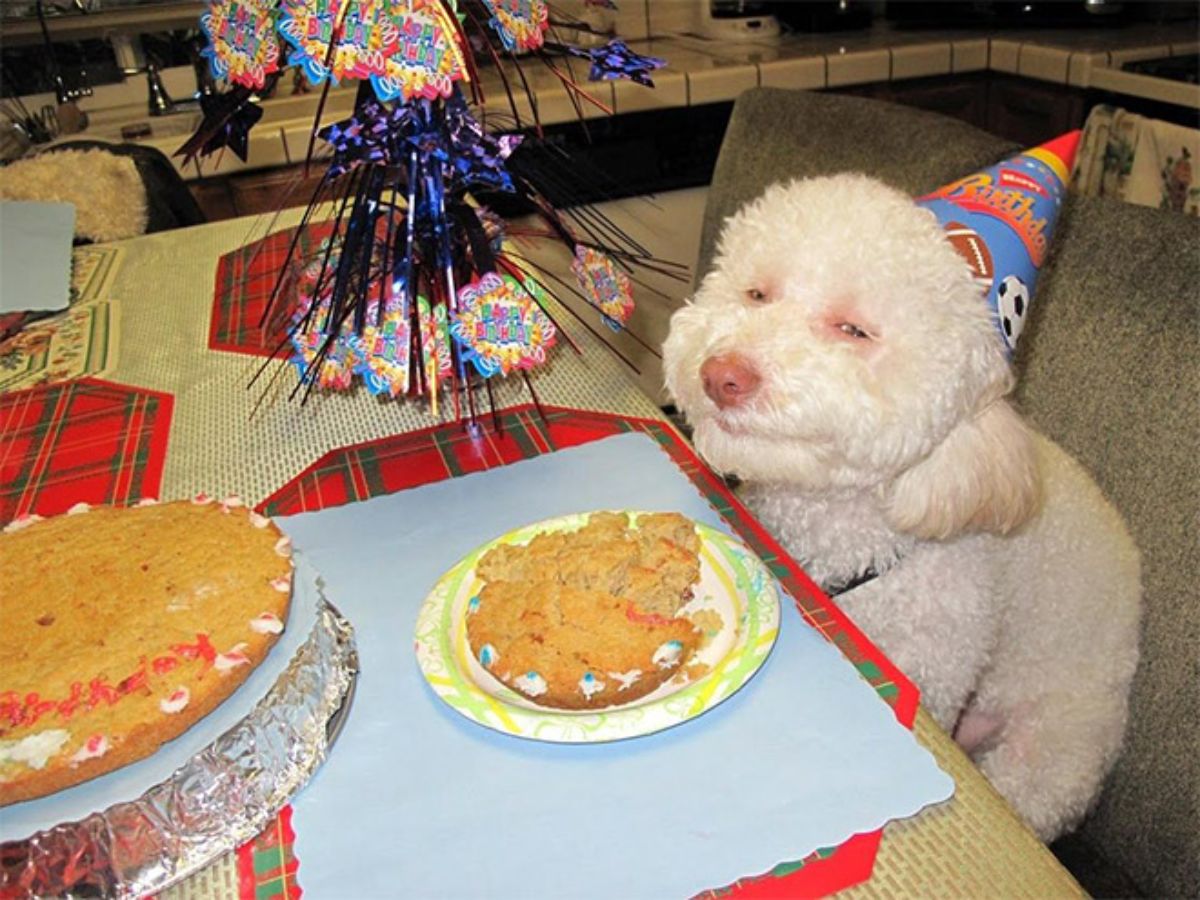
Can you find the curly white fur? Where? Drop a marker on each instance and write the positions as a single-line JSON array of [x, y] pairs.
[[856, 385]]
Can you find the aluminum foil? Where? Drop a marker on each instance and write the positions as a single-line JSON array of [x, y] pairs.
[[221, 798]]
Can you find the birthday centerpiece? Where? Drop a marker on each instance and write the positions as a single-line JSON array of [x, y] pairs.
[[416, 292]]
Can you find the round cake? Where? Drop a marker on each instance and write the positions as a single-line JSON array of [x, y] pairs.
[[588, 619], [123, 627]]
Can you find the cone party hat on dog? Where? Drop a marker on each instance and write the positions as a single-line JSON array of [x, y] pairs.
[[1001, 219]]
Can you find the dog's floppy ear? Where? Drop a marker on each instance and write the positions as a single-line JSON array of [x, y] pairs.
[[982, 477]]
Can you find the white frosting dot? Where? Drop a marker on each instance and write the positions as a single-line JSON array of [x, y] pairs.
[[668, 654], [229, 504], [93, 748], [589, 684], [21, 522], [626, 680], [283, 546], [266, 623], [78, 508], [176, 701], [36, 749], [531, 683], [231, 660], [283, 584]]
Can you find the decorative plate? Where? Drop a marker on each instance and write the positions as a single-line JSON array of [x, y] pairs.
[[733, 582]]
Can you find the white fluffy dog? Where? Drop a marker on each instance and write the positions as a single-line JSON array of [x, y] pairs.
[[841, 361]]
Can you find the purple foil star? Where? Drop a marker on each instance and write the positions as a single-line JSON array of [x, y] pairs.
[[615, 60], [373, 134], [478, 157], [226, 122]]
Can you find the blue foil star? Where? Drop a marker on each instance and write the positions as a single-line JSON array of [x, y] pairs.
[[615, 60]]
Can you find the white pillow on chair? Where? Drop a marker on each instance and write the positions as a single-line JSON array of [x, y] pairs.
[[106, 189]]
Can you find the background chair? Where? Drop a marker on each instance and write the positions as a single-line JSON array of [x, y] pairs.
[[1109, 367], [163, 200], [169, 202]]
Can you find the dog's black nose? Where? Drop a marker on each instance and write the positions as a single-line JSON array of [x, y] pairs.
[[729, 379]]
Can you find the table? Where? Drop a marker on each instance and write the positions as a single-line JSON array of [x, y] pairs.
[[172, 419]]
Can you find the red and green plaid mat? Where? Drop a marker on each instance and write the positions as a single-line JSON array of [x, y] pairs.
[[99, 442], [86, 440], [245, 279]]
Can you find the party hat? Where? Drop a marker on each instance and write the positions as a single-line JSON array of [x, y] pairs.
[[1001, 220]]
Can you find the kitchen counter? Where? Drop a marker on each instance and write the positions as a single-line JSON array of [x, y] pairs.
[[700, 72]]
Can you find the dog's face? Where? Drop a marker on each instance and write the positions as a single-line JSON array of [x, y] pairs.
[[837, 341]]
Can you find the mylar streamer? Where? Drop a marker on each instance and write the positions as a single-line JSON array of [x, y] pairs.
[[379, 354], [500, 327], [409, 168], [435, 342]]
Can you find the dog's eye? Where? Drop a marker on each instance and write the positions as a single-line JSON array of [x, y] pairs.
[[756, 296], [851, 330]]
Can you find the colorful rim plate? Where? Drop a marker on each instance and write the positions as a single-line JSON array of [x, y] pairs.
[[733, 581]]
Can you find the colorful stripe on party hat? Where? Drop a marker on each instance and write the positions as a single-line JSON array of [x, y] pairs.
[[1001, 220]]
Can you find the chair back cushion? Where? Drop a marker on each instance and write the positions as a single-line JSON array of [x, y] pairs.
[[1109, 368]]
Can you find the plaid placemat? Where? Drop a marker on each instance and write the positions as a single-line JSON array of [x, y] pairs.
[[267, 866], [245, 279], [433, 454], [87, 440]]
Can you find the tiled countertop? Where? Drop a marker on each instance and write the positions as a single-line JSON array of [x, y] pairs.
[[701, 71]]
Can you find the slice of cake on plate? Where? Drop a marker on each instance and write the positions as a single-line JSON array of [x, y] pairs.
[[588, 619]]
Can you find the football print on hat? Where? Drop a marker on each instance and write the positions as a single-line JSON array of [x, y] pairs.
[[1000, 221]]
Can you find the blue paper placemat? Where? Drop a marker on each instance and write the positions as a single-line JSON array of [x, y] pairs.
[[35, 256], [417, 801]]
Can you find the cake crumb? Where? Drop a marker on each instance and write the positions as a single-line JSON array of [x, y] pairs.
[[708, 621]]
